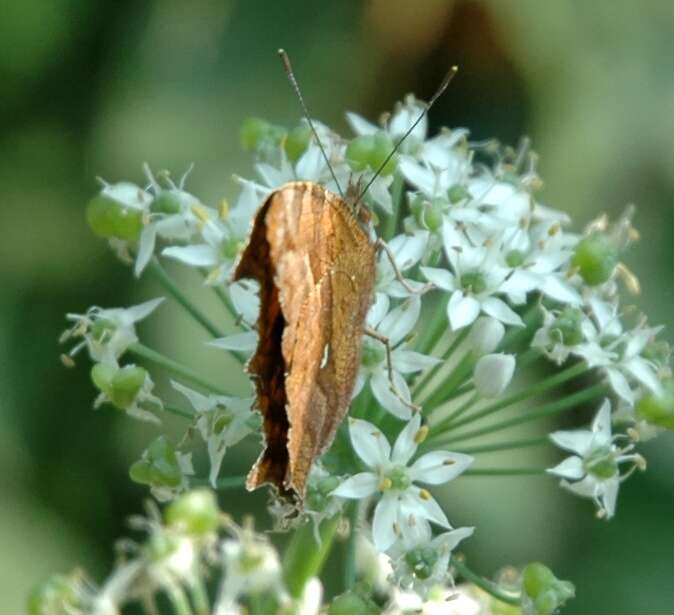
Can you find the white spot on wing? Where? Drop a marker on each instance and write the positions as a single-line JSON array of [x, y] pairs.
[[326, 351]]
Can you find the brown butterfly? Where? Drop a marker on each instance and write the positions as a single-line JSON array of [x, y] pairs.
[[315, 262]]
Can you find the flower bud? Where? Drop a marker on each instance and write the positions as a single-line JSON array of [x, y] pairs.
[[383, 146], [195, 512], [58, 594], [297, 142], [358, 152], [159, 466], [485, 335], [596, 257], [658, 410], [566, 328], [352, 602], [166, 202], [542, 592], [125, 385], [109, 218], [256, 133], [493, 373]]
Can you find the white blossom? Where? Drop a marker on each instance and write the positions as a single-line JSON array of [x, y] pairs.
[[493, 373], [392, 478], [594, 466]]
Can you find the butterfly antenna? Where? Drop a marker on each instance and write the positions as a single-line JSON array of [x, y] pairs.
[[293, 82], [443, 86]]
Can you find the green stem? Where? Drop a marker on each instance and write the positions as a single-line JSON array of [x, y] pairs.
[[504, 446], [179, 601], [303, 557], [485, 584], [503, 471], [448, 388], [556, 407], [187, 414], [229, 307], [434, 331], [167, 282], [455, 343], [391, 223], [350, 557], [143, 352], [531, 318], [221, 484], [464, 407], [200, 597], [536, 389]]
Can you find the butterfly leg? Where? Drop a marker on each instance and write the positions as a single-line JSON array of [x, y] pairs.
[[399, 276], [374, 334]]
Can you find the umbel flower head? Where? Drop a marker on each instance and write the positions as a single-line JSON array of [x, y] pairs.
[[489, 313]]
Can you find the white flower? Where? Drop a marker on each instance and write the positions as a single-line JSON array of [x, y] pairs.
[[493, 373], [222, 422], [220, 236], [108, 332], [594, 467], [396, 326], [393, 479], [421, 561], [440, 601], [475, 279], [251, 565]]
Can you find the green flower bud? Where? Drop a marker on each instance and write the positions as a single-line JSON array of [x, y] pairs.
[[100, 328], [195, 512], [601, 463], [372, 354], [515, 258], [473, 282], [658, 411], [56, 595], [108, 218], [543, 593], [421, 561], [566, 328], [457, 193], [101, 375], [381, 149], [125, 384], [596, 258], [399, 478], [253, 131], [351, 602], [297, 142], [359, 152], [159, 466], [166, 202]]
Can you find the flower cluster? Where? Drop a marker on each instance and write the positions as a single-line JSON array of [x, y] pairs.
[[478, 280]]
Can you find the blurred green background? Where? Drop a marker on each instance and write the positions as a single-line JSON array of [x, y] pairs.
[[93, 88]]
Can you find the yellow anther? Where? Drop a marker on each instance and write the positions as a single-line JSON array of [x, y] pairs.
[[224, 209], [421, 435], [631, 280], [67, 360], [212, 277], [554, 229], [385, 484], [200, 212], [424, 494]]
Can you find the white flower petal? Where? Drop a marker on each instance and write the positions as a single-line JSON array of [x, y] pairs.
[[358, 486], [384, 521], [620, 385], [401, 320], [493, 373], [140, 311], [360, 125], [381, 388], [609, 496], [576, 441], [243, 342], [405, 446], [378, 310], [425, 507], [369, 443], [461, 310], [409, 361], [200, 255], [571, 468], [145, 249], [451, 539], [439, 467], [499, 309], [442, 278]]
